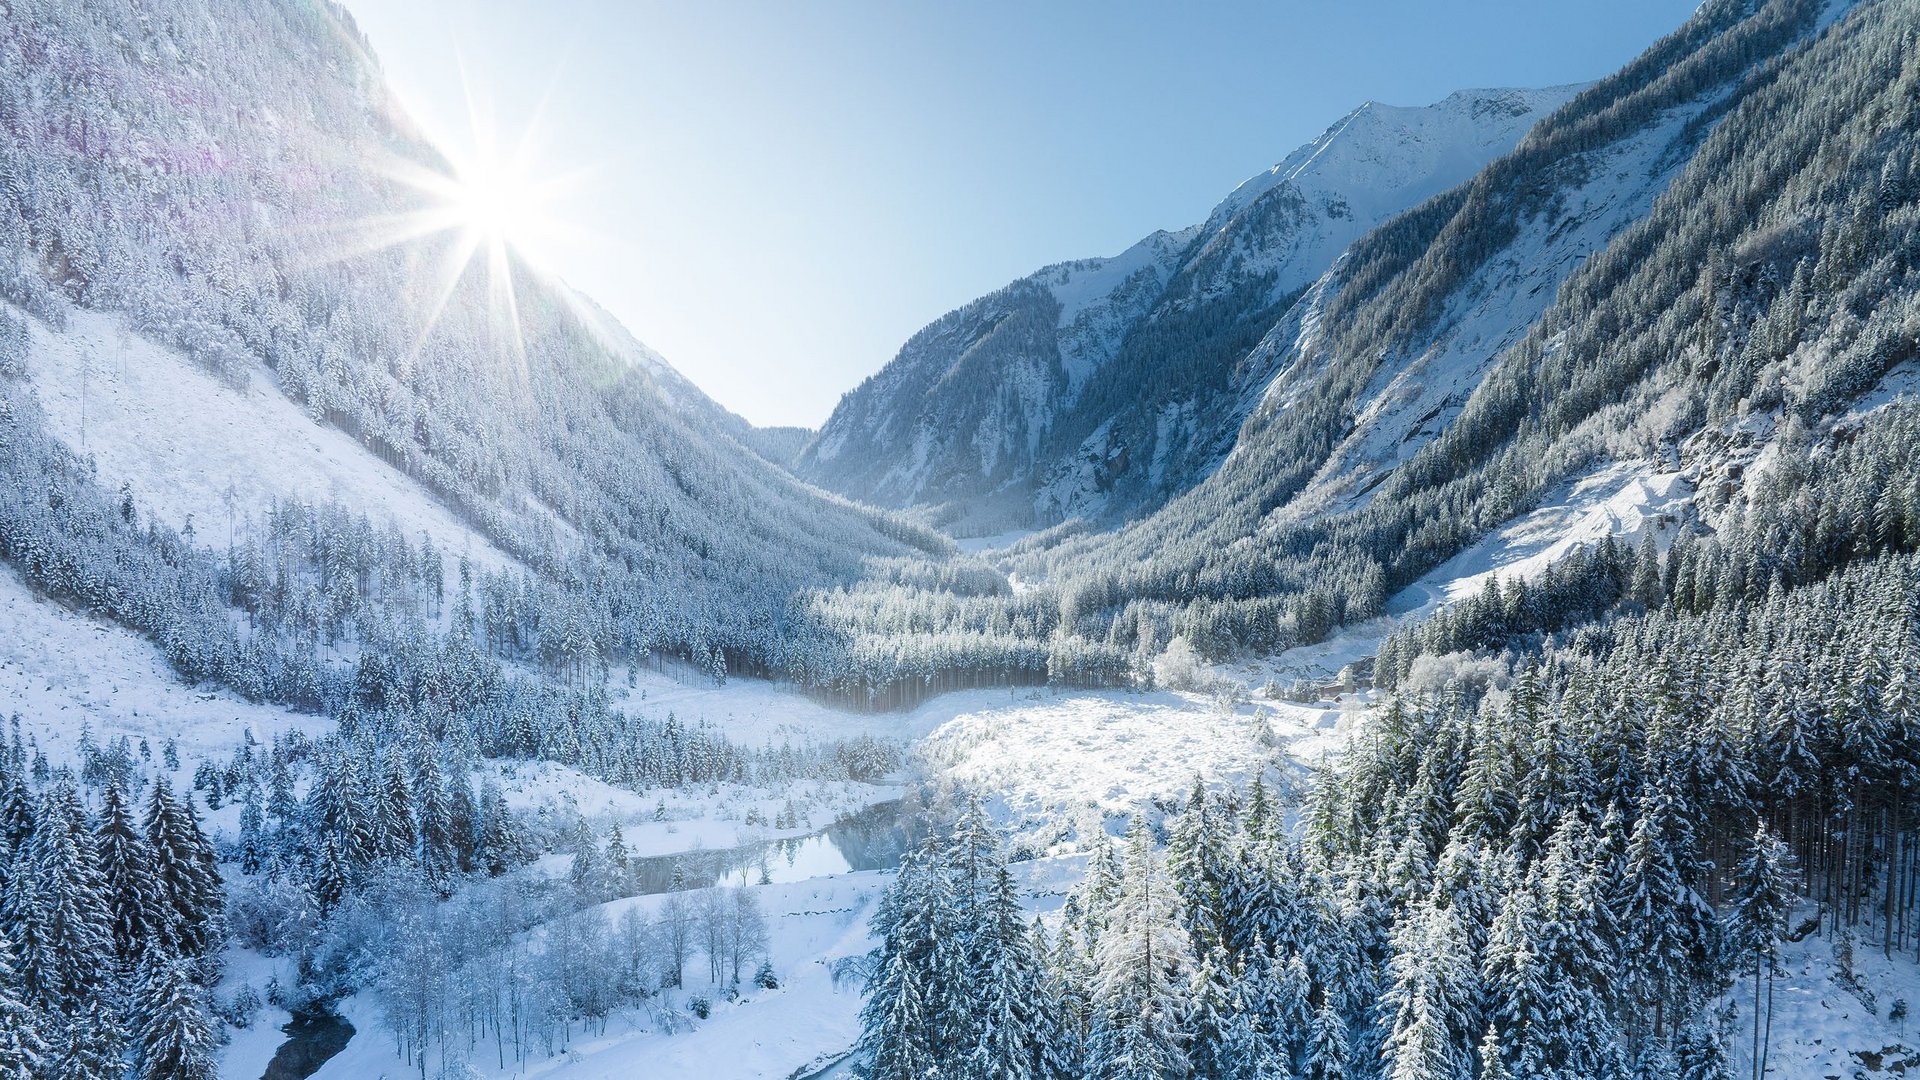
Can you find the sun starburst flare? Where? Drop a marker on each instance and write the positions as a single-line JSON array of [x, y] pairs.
[[487, 204]]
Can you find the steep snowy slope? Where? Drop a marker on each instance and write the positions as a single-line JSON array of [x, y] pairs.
[[195, 449], [1406, 404], [1625, 276], [225, 294], [1093, 387]]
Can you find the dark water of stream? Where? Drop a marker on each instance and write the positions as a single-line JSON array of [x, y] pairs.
[[313, 1036]]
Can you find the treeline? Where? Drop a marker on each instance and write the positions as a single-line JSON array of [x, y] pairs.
[[111, 926], [385, 792]]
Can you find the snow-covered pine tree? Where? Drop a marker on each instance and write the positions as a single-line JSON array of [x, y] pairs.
[[391, 818], [1069, 982], [176, 1040], [186, 881], [126, 861], [1014, 1026], [1210, 1016], [1328, 1054], [1197, 863], [61, 920], [587, 872], [23, 1045], [900, 1036], [433, 841], [1433, 996], [619, 861], [1144, 965], [1666, 928], [255, 849], [88, 1045], [1763, 895]]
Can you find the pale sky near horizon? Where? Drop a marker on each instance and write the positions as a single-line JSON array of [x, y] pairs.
[[776, 194]]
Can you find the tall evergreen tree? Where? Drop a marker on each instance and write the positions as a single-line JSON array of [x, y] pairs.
[[1762, 900], [1011, 1015], [23, 1045], [62, 922], [1144, 964], [185, 876], [126, 860], [176, 1034]]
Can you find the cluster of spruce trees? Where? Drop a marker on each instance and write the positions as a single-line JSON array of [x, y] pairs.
[[1574, 874], [111, 926]]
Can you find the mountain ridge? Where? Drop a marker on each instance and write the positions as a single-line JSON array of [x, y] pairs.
[[1077, 423]]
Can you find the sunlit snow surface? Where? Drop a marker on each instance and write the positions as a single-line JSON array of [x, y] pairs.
[[188, 444], [60, 669]]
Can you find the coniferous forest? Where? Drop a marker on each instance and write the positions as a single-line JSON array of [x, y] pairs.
[[1490, 652]]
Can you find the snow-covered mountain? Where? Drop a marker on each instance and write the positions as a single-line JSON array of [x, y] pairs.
[[1637, 280], [1094, 387], [220, 190], [346, 634]]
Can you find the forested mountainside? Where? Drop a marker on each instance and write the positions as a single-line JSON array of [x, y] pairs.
[[1769, 283], [1700, 262], [216, 181], [1098, 387]]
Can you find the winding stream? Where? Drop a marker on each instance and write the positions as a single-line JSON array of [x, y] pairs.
[[872, 839], [313, 1036]]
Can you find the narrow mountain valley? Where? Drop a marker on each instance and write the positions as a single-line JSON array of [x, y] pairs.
[[1453, 614]]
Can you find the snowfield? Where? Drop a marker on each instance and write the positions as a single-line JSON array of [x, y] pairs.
[[1060, 769], [189, 445], [668, 822], [1623, 500], [1055, 765], [1825, 1025], [60, 670]]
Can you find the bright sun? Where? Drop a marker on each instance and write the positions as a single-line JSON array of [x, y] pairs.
[[488, 208], [495, 203]]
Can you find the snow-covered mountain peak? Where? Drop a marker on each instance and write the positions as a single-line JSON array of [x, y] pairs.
[[1090, 403], [1382, 158]]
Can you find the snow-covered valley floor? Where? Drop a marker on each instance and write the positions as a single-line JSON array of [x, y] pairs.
[[1043, 757]]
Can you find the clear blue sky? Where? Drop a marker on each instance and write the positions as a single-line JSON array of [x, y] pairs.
[[778, 193]]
